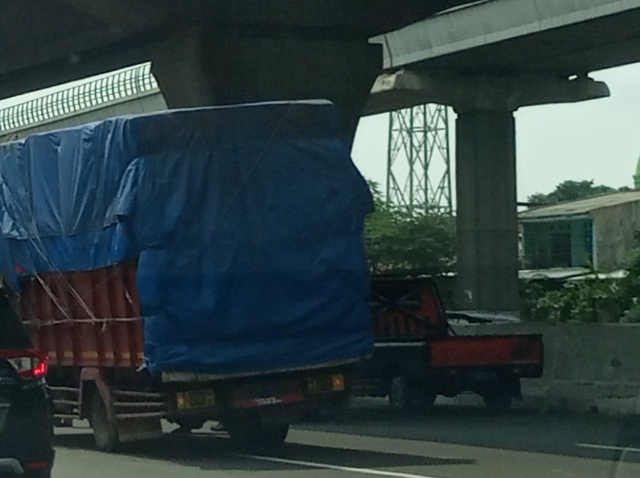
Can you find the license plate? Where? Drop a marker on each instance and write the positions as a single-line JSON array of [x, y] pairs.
[[196, 399]]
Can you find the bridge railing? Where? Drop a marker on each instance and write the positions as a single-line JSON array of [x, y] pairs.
[[121, 85]]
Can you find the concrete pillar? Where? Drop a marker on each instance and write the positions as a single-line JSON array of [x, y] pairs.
[[487, 223], [206, 69]]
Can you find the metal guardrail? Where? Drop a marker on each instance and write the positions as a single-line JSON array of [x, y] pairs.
[[121, 85]]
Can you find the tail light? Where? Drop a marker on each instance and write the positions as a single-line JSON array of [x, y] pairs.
[[37, 465], [29, 364]]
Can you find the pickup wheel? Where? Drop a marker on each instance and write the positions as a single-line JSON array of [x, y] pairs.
[[404, 398], [105, 431], [499, 401], [398, 394], [429, 398], [248, 432]]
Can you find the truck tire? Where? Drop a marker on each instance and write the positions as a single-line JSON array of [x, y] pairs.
[[248, 432], [105, 431]]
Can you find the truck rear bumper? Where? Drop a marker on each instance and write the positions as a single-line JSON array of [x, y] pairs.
[[293, 392], [173, 377]]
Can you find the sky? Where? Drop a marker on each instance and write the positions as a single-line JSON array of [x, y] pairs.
[[595, 140]]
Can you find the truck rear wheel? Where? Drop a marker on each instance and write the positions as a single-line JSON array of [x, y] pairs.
[[105, 430], [249, 432]]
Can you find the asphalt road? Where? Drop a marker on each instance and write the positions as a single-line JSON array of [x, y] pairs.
[[450, 442]]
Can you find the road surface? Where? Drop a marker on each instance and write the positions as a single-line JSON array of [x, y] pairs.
[[450, 442]]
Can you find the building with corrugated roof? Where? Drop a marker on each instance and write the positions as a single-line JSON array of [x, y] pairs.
[[597, 232]]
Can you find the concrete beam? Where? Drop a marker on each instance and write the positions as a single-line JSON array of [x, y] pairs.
[[404, 89], [204, 69], [490, 23]]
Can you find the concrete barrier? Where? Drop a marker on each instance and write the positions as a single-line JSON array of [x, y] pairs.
[[588, 367]]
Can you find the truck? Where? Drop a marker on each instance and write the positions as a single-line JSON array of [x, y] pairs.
[[418, 355], [190, 265]]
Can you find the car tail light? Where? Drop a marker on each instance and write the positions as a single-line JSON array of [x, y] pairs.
[[30, 364]]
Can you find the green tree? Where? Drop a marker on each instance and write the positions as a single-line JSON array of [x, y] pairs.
[[399, 242], [591, 299], [568, 191]]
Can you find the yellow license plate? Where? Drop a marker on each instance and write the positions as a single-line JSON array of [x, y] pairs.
[[195, 399]]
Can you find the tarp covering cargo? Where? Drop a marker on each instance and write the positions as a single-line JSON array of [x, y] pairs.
[[246, 222]]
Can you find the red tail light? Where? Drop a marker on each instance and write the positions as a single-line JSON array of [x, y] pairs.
[[37, 465], [30, 364]]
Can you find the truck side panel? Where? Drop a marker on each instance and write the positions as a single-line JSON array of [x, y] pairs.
[[85, 319]]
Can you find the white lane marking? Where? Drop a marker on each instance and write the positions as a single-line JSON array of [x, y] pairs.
[[364, 471], [608, 447]]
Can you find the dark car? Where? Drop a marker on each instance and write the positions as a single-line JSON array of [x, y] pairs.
[[26, 423]]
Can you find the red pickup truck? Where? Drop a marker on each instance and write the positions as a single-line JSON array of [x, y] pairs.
[[418, 356]]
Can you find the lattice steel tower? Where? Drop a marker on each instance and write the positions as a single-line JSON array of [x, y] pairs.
[[418, 172]]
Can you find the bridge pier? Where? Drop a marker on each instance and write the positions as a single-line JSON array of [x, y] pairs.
[[487, 220], [212, 69], [486, 197]]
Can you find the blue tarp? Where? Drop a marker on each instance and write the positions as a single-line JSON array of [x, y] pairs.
[[246, 221]]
